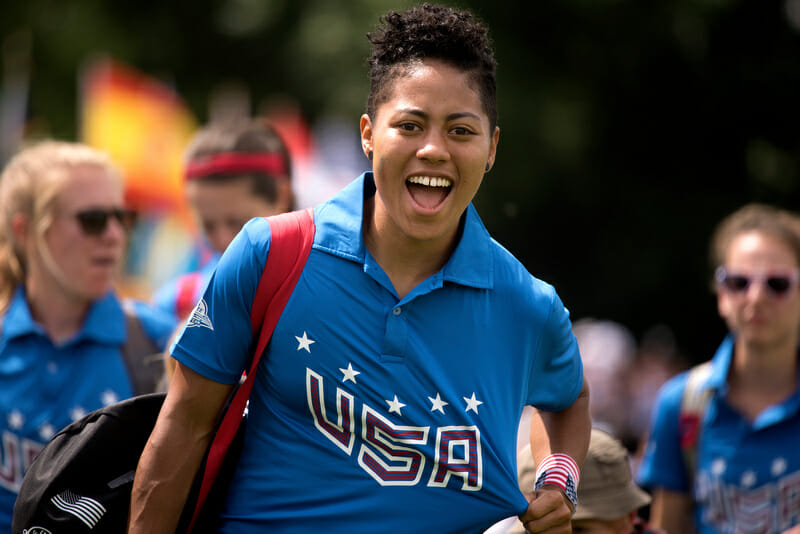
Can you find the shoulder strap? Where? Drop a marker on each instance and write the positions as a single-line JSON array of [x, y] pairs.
[[291, 237], [693, 407], [142, 357], [185, 296]]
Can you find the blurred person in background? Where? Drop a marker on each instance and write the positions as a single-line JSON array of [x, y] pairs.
[[658, 359], [236, 169], [608, 350], [609, 500], [722, 454], [69, 345]]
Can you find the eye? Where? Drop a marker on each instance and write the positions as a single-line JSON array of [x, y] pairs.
[[408, 126], [461, 131]]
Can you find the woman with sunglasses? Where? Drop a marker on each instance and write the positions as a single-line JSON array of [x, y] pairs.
[[66, 343], [724, 447]]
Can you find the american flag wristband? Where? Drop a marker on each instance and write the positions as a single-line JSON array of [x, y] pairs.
[[562, 471]]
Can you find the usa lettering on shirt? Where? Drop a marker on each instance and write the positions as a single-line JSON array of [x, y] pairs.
[[730, 508]]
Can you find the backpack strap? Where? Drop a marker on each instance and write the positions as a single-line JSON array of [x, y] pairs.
[[694, 403], [185, 300], [291, 237], [143, 358]]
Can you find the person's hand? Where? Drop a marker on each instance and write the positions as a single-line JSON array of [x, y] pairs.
[[793, 530], [549, 512]]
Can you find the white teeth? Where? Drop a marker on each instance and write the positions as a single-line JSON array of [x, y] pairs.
[[430, 181]]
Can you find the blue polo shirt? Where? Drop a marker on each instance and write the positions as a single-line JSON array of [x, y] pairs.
[[372, 413], [748, 472], [166, 298], [44, 387]]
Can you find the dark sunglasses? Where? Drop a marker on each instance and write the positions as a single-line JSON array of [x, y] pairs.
[[778, 284], [94, 221]]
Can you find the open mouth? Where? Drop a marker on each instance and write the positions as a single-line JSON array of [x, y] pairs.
[[428, 191], [104, 263]]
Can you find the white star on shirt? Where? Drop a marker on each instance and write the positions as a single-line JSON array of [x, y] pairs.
[[472, 403], [349, 373], [46, 431], [748, 479], [778, 467], [718, 466], [77, 412], [437, 403], [108, 397], [395, 405], [16, 420], [304, 342]]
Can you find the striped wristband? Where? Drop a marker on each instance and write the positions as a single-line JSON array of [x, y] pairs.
[[562, 471]]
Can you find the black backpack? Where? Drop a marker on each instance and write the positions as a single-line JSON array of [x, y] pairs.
[[65, 491]]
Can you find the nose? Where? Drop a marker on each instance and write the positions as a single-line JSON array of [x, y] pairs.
[[757, 290], [434, 148], [114, 230]]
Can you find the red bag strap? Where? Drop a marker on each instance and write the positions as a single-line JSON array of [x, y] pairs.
[[291, 237]]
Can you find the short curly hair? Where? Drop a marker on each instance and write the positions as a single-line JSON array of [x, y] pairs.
[[431, 32]]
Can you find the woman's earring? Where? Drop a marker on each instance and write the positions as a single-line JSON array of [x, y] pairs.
[[369, 155], [488, 166]]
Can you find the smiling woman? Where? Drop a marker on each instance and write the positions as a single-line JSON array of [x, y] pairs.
[[63, 232], [429, 158], [390, 395]]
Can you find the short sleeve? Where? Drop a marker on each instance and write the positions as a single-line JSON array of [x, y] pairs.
[[662, 464], [557, 373]]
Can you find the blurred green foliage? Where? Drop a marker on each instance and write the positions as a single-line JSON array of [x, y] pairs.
[[628, 128]]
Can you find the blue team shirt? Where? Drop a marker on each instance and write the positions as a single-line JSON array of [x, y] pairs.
[[748, 473], [44, 387], [166, 297], [377, 414]]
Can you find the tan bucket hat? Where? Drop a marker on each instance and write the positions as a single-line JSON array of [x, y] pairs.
[[606, 489]]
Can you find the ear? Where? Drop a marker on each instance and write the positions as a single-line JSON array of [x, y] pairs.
[[366, 134], [20, 227], [284, 197], [625, 523], [493, 148]]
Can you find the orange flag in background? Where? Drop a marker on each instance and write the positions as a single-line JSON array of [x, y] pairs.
[[144, 126]]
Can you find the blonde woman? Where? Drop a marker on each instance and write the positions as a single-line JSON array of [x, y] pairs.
[[68, 345]]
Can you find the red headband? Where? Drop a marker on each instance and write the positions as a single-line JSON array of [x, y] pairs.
[[237, 163]]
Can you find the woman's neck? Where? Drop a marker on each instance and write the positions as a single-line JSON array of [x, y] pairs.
[[762, 376], [406, 261], [60, 314], [766, 359]]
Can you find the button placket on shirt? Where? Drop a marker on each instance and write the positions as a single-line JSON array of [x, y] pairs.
[[396, 335]]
